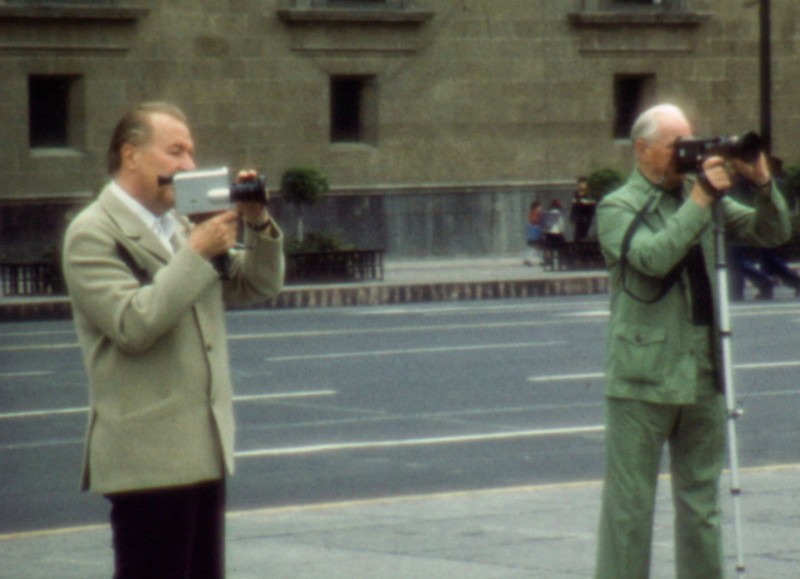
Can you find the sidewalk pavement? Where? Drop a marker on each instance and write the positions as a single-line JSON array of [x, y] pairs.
[[542, 532]]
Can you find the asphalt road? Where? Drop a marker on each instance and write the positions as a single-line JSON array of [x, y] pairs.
[[352, 403]]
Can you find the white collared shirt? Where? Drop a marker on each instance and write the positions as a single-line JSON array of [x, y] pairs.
[[164, 226]]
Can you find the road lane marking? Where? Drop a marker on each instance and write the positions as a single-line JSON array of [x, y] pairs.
[[601, 375], [242, 398], [37, 333], [763, 365], [407, 351], [428, 309], [567, 377], [327, 333], [430, 441], [483, 325], [34, 347], [588, 314], [284, 396], [42, 444], [48, 412], [29, 374]]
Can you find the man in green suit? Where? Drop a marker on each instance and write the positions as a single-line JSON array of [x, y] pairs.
[[663, 384], [149, 310]]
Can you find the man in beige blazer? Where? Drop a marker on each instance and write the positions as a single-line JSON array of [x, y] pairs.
[[149, 309]]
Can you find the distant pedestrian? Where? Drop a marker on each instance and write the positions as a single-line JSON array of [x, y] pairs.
[[764, 267], [534, 234], [581, 213], [553, 232]]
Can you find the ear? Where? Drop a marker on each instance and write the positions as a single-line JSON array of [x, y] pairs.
[[642, 148], [129, 155]]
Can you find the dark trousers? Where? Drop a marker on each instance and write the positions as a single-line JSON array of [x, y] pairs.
[[173, 533]]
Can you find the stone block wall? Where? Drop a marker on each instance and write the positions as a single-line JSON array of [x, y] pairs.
[[465, 93]]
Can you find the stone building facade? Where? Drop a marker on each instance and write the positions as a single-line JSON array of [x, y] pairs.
[[436, 121]]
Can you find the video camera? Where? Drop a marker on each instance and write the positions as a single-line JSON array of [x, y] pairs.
[[209, 190], [198, 193], [690, 153]]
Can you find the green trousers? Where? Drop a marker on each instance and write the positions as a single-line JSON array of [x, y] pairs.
[[636, 432]]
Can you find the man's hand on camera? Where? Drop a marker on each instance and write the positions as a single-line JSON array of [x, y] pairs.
[[254, 214], [711, 182], [758, 173], [214, 236]]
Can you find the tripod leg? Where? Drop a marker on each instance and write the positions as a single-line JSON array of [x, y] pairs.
[[726, 357]]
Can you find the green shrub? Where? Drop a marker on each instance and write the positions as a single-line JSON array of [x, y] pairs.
[[316, 242], [601, 182], [302, 185]]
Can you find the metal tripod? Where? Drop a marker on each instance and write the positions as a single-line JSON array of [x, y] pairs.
[[732, 411]]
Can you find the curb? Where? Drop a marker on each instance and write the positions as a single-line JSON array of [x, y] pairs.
[[371, 294]]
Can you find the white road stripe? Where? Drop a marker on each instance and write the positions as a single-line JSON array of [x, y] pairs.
[[33, 347], [483, 325], [283, 396], [600, 375], [244, 398], [407, 351], [762, 365], [35, 413], [567, 377], [325, 333], [23, 374], [317, 448]]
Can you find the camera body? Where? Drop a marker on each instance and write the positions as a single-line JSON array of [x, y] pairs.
[[209, 190], [691, 153]]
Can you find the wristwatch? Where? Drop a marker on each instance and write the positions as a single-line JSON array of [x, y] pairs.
[[262, 227]]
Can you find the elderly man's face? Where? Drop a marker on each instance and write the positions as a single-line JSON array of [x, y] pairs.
[[655, 157], [169, 150]]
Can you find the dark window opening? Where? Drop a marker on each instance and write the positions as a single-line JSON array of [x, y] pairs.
[[52, 111], [357, 3], [639, 2], [632, 94], [352, 101]]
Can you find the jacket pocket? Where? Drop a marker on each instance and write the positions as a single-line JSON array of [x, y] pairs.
[[638, 353]]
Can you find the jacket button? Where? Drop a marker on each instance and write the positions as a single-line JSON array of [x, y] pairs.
[[208, 347]]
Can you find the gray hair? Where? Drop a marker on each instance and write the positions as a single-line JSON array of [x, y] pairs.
[[134, 128], [647, 124]]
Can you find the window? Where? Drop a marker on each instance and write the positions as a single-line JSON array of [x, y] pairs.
[[357, 3], [635, 6], [55, 117], [632, 94], [353, 109], [642, 3]]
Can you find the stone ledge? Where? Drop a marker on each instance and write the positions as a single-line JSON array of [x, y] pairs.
[[608, 19], [353, 16], [75, 12]]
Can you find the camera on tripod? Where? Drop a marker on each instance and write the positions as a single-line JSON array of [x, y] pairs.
[[690, 153], [209, 190]]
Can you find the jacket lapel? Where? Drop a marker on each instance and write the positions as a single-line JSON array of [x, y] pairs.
[[131, 225]]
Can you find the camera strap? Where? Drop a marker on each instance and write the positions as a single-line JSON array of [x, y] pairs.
[[671, 277], [140, 273]]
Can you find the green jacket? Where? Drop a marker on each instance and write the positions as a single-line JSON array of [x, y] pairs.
[[649, 353]]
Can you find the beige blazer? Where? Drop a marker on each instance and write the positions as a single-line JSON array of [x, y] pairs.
[[155, 352]]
